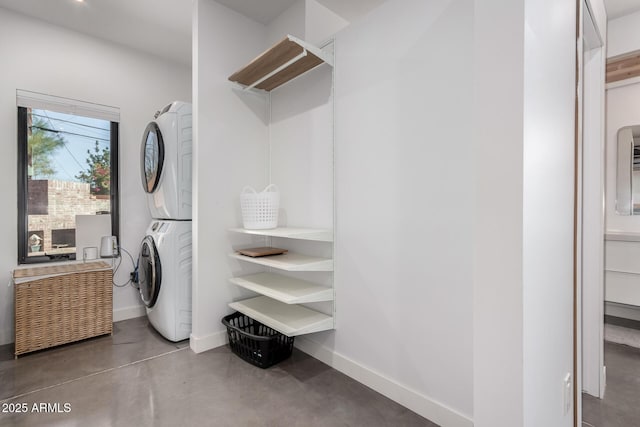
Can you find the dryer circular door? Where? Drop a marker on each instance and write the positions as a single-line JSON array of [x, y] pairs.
[[152, 157], [149, 272]]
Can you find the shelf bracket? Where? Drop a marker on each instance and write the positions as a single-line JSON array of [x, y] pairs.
[[327, 58], [277, 70]]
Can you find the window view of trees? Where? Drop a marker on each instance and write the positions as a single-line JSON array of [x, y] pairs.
[[98, 174], [68, 173], [43, 143]]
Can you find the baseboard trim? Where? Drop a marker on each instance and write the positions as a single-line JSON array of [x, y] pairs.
[[129, 313], [622, 310], [207, 342], [412, 399]]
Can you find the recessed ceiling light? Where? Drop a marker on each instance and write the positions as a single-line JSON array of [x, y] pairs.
[[80, 1]]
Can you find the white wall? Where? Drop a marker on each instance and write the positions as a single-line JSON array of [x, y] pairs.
[[497, 216], [447, 252], [291, 22], [306, 19], [623, 35], [230, 151], [301, 128], [399, 278], [44, 58], [321, 22], [404, 201], [524, 94], [548, 208]]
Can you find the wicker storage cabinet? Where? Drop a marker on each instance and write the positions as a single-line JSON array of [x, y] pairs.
[[60, 304]]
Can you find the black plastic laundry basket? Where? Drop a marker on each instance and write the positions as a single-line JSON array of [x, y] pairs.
[[256, 343]]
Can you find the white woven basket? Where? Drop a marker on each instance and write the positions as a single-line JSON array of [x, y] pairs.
[[260, 210]]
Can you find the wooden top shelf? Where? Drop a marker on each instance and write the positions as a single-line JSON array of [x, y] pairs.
[[623, 67], [283, 62]]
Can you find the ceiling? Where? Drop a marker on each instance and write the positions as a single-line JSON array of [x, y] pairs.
[[163, 27], [160, 27], [351, 9], [618, 8], [262, 11]]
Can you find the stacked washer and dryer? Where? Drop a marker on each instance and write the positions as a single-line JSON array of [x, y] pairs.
[[164, 262]]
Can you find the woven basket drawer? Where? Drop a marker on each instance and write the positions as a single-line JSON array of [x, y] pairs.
[[57, 310]]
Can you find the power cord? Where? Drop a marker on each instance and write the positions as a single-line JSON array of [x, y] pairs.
[[115, 270]]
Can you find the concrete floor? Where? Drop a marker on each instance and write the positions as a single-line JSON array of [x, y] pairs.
[[621, 404], [136, 378]]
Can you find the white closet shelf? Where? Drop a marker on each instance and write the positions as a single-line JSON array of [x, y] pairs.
[[288, 290], [317, 234], [283, 62], [289, 262], [290, 320]]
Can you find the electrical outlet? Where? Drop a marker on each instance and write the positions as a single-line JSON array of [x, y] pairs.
[[567, 396]]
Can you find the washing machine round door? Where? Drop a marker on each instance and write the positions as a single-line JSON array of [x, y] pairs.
[[152, 157], [149, 272]]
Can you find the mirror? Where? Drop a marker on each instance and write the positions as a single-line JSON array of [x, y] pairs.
[[628, 174]]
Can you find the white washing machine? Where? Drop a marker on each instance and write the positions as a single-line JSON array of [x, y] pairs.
[[164, 275], [166, 156]]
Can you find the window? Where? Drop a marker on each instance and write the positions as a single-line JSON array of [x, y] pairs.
[[67, 166]]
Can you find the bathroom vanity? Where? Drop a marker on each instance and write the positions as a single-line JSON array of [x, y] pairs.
[[622, 269]]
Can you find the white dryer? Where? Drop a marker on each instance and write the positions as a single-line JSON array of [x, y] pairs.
[[164, 276], [166, 155]]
